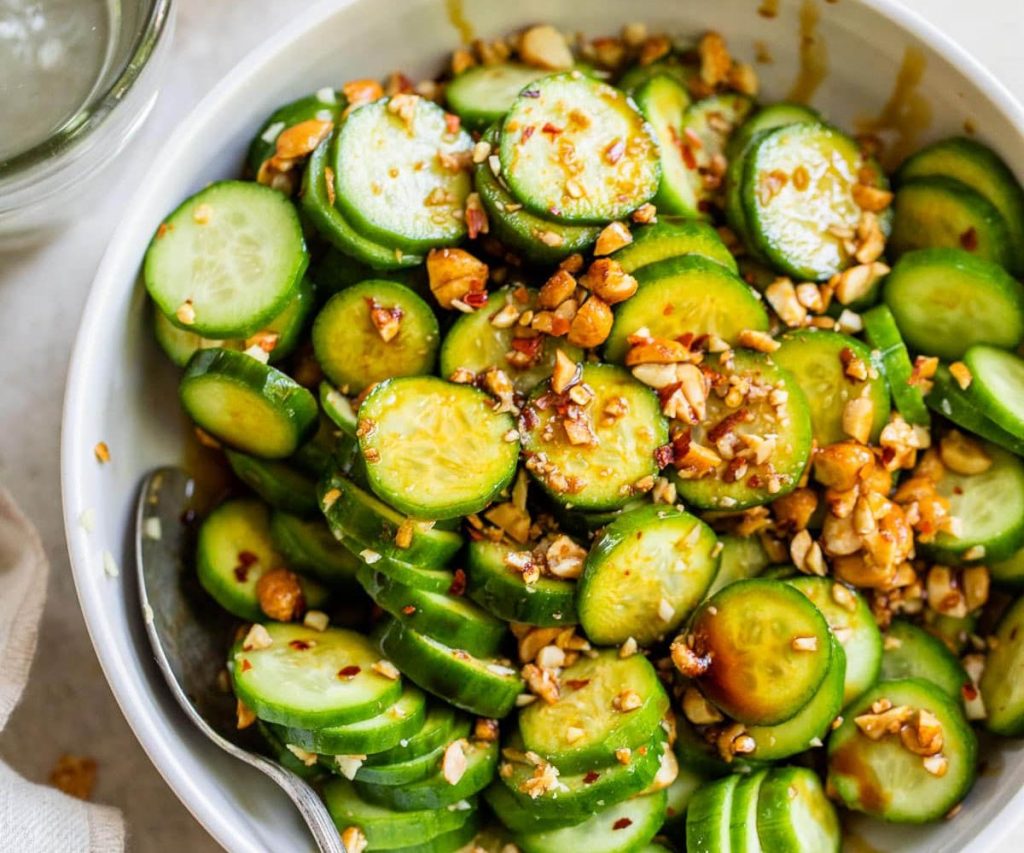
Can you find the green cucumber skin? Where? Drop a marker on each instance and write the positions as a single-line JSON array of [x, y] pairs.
[[857, 784], [435, 792], [969, 213], [922, 655], [624, 828], [314, 774], [997, 386], [442, 725], [1001, 675], [278, 483], [550, 602], [369, 736], [518, 816], [309, 546], [679, 185], [980, 168], [303, 109], [778, 824], [335, 228], [883, 335], [225, 324], [478, 633], [401, 773], [708, 816], [911, 281], [1009, 573], [293, 403], [386, 829], [950, 401], [477, 108], [614, 554], [672, 237], [741, 557], [743, 837], [439, 670], [363, 519], [447, 842]]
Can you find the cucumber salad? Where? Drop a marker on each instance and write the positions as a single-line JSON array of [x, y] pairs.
[[619, 462]]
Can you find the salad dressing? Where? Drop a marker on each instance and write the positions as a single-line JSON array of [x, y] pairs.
[[813, 55], [907, 113], [457, 18]]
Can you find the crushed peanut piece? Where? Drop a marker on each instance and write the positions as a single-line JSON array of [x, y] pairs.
[[757, 340], [257, 639], [961, 373], [453, 274], [353, 839], [280, 595], [613, 237], [698, 710], [545, 47], [453, 762]]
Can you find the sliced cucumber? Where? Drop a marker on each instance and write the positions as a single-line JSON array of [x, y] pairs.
[[709, 816], [686, 295], [483, 687], [311, 679], [951, 401], [623, 828], [384, 828], [980, 168], [885, 779], [385, 731], [989, 529], [769, 649], [579, 795], [309, 546], [442, 725], [227, 260], [402, 194], [325, 451], [883, 335], [436, 792], [453, 841], [446, 618], [852, 623], [474, 343], [818, 360], [339, 409], [536, 238], [586, 704], [484, 93], [180, 344], [797, 193], [373, 331], [318, 205], [277, 750], [946, 300], [234, 550], [708, 128], [794, 815], [280, 484], [997, 386], [611, 470], [1002, 687], [586, 524], [612, 154], [679, 794], [1009, 572], [941, 212], [769, 117], [743, 837], [325, 105], [741, 557], [247, 404], [636, 75], [435, 449], [788, 420], [363, 523], [809, 727], [954, 631], [911, 652], [518, 816], [644, 574], [663, 101], [671, 237], [500, 589], [696, 750]]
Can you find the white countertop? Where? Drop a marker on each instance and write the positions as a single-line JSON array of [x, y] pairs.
[[68, 706]]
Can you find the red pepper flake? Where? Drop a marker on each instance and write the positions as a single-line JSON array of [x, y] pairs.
[[530, 347], [409, 609], [550, 129], [476, 221], [969, 239], [578, 683], [163, 229], [970, 692], [668, 310], [591, 777], [299, 645], [527, 133], [622, 823], [754, 481], [246, 665], [681, 445], [664, 455], [350, 671], [458, 586], [475, 298], [245, 560], [452, 123]]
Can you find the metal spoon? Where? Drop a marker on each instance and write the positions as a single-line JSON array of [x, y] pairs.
[[190, 635]]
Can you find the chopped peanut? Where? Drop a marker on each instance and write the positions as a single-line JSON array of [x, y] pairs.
[[565, 373], [545, 47], [556, 289], [353, 839], [244, 715], [613, 237], [698, 710], [257, 639], [592, 324], [280, 595], [756, 340], [453, 762], [858, 418], [958, 370], [453, 273], [606, 279]]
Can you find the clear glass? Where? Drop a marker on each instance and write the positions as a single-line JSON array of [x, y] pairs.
[[77, 78]]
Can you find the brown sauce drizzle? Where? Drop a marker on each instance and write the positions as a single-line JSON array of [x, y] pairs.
[[210, 472], [846, 761], [905, 116], [768, 8], [457, 18], [813, 55]]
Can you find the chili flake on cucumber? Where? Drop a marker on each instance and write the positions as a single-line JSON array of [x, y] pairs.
[[589, 459]]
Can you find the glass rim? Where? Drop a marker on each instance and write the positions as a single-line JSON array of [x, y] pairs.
[[91, 114]]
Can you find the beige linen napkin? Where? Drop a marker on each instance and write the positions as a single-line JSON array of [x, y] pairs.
[[35, 818]]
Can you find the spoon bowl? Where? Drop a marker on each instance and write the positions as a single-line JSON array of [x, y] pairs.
[[189, 634]]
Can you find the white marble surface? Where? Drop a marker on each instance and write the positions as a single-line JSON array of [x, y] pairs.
[[68, 707]]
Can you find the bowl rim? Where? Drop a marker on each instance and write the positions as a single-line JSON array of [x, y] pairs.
[[106, 284]]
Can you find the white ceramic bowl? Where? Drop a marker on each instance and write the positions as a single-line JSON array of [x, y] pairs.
[[121, 390]]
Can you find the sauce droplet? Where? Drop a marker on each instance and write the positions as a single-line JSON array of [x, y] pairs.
[[813, 55], [906, 114]]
